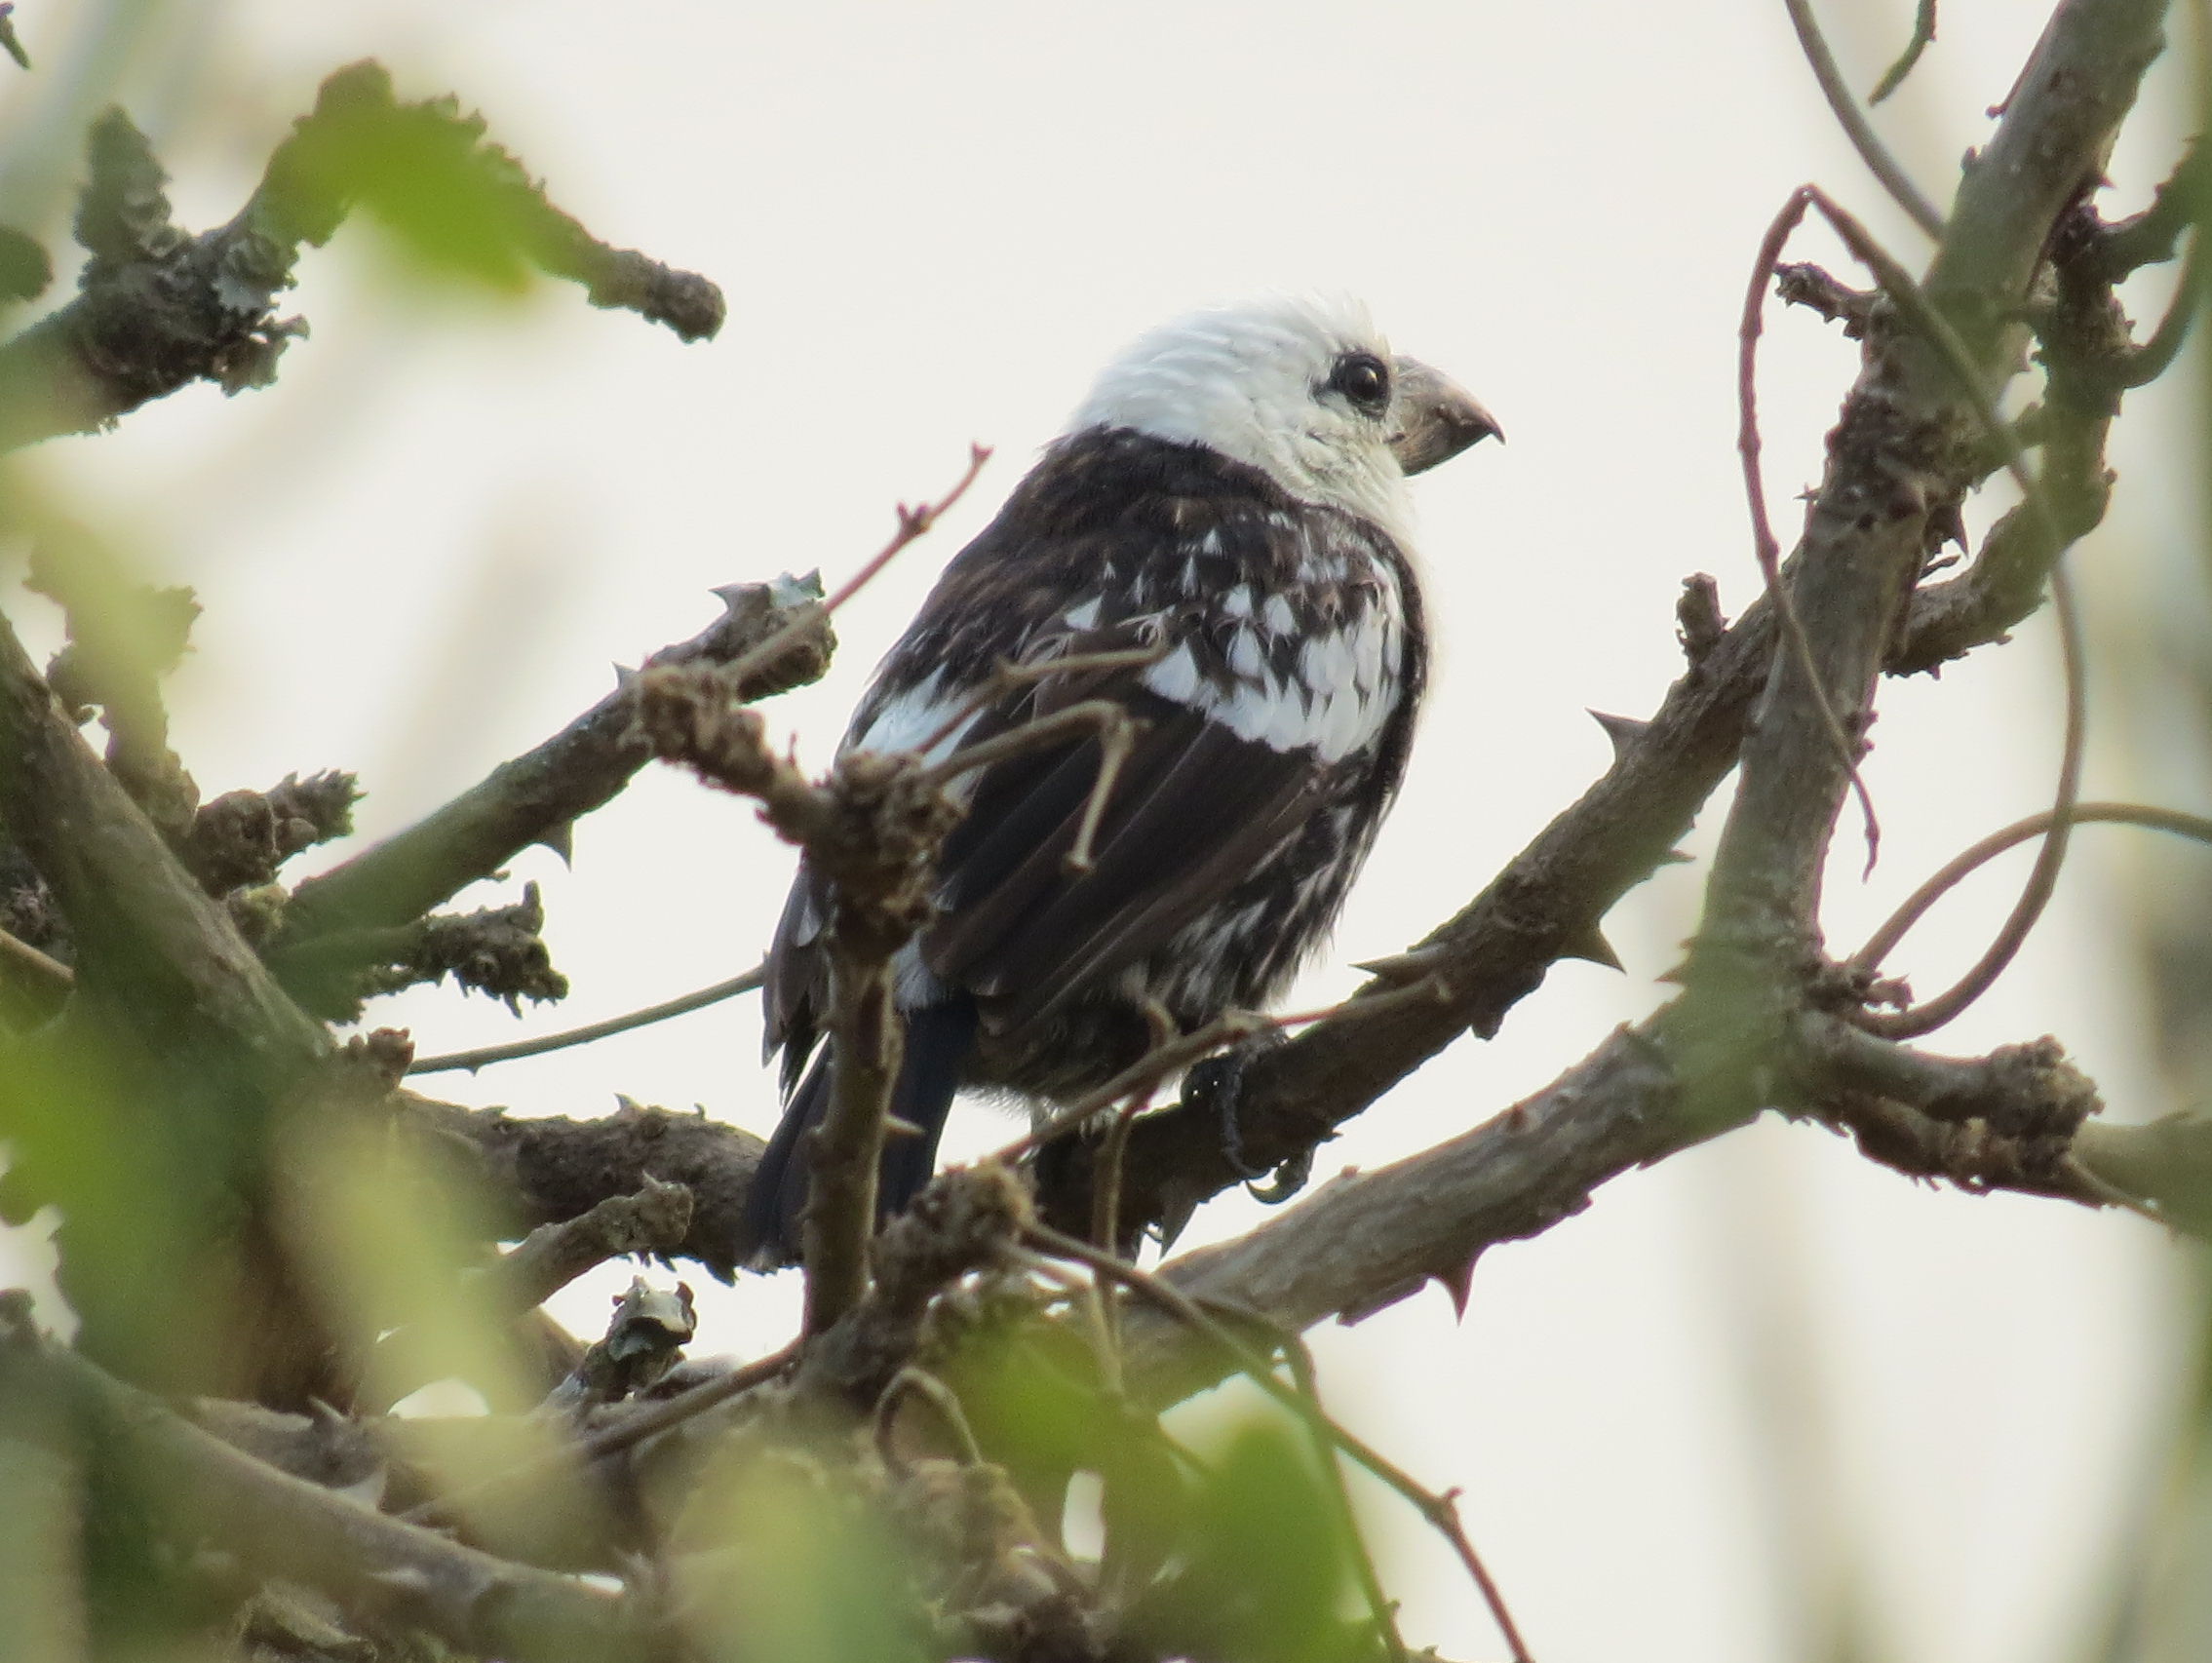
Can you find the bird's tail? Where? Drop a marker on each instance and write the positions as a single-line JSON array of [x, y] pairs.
[[939, 1038]]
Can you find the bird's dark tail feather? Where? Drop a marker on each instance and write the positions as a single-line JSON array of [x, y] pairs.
[[939, 1038]]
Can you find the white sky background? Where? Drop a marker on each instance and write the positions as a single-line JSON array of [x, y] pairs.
[[420, 552]]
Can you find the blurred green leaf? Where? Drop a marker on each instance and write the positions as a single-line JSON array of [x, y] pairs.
[[144, 1197], [1269, 1576], [804, 1574], [459, 208]]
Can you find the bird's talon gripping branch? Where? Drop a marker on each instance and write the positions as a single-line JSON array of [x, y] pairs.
[[1289, 1182]]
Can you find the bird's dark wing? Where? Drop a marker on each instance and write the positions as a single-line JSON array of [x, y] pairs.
[[1195, 808]]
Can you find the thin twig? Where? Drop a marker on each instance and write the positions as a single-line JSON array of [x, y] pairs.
[[1117, 733], [914, 523], [1763, 544], [939, 1397], [485, 1054], [1105, 1191], [1437, 1509], [1914, 906], [1846, 108], [57, 977], [1299, 1357], [1924, 35], [1009, 676], [2156, 356], [1928, 1015]]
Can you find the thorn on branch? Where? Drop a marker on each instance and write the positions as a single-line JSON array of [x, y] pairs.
[[1622, 731]]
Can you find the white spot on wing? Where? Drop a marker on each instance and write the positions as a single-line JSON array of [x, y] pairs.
[[1176, 677], [1083, 617], [912, 719], [1278, 615]]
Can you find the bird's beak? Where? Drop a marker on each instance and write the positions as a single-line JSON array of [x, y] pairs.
[[1437, 418]]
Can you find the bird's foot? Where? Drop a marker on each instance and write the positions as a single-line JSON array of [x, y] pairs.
[[1218, 1083]]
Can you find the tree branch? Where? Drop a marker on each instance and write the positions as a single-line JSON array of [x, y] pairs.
[[160, 308], [550, 1169], [656, 1221], [197, 1490], [1366, 1240], [535, 797], [147, 938]]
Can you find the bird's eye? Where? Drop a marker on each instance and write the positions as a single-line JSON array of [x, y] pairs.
[[1365, 381]]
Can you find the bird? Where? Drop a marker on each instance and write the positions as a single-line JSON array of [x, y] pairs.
[[1225, 520]]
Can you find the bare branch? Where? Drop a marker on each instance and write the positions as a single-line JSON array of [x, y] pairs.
[[656, 1220], [535, 797], [549, 1169], [872, 831], [1365, 1240], [146, 935], [499, 951], [1748, 445]]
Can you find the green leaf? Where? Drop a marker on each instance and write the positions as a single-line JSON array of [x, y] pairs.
[[1269, 1576]]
